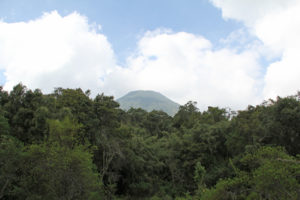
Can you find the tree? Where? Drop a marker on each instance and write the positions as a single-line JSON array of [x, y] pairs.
[[186, 115], [284, 127], [59, 168], [21, 110], [76, 100], [157, 122], [199, 178], [3, 96], [266, 173], [10, 156], [4, 126]]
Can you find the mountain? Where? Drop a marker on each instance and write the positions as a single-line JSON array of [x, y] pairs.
[[148, 100]]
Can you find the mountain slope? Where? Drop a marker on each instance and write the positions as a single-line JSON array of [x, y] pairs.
[[148, 100]]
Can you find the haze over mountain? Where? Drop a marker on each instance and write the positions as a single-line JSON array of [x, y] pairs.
[[148, 100]]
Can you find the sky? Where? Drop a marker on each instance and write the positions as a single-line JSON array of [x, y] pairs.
[[226, 53]]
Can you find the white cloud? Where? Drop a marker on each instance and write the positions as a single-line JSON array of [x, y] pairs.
[[277, 24], [54, 51], [251, 11], [184, 67]]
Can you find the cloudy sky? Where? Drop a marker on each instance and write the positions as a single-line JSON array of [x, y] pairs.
[[226, 53]]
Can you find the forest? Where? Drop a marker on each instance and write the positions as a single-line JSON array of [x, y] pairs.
[[67, 145]]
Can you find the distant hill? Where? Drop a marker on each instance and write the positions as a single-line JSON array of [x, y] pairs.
[[148, 100]]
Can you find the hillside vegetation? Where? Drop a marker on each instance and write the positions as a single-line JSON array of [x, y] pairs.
[[66, 145]]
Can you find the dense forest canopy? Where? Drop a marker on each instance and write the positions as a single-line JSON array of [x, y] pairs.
[[67, 145]]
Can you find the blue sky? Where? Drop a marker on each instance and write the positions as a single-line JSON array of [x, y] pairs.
[[242, 51]]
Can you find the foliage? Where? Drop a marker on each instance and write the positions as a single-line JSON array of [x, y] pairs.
[[67, 145], [10, 156], [269, 173]]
